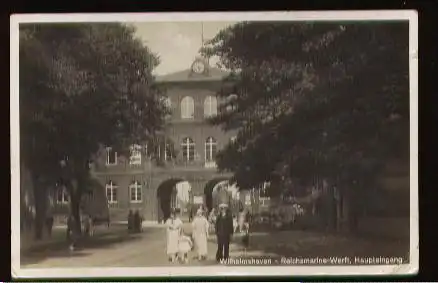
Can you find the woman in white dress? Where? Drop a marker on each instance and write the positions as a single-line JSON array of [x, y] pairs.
[[174, 228], [200, 227]]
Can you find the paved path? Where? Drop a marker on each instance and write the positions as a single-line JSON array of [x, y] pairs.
[[123, 250], [119, 249]]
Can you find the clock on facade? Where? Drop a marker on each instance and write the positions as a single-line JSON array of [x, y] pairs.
[[198, 67]]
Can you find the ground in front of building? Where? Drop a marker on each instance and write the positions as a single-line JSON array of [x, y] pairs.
[[118, 248]]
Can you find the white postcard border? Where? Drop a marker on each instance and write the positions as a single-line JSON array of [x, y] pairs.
[[410, 268]]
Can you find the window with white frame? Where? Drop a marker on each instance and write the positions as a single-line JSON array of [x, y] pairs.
[[210, 149], [187, 108], [135, 157], [210, 106], [111, 156], [168, 151], [111, 192], [135, 191], [61, 195], [188, 149]]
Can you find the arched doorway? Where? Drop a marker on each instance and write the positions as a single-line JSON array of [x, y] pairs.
[[208, 191], [172, 193], [230, 193]]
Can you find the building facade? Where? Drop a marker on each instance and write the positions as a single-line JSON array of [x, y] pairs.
[[186, 154]]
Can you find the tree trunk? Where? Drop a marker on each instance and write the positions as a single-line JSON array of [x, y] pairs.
[[353, 211], [75, 209], [78, 184], [344, 207], [40, 205], [75, 206], [331, 209], [338, 200]]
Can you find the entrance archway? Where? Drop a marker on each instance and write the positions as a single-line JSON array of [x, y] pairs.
[[208, 191], [172, 193]]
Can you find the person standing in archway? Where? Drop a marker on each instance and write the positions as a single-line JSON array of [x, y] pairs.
[[174, 229], [224, 231]]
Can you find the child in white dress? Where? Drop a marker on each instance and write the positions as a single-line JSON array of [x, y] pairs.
[[235, 224], [185, 245]]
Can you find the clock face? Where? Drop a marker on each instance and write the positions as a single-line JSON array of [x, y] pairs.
[[198, 67]]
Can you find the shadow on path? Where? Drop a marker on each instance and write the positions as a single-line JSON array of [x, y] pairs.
[[311, 244], [84, 248]]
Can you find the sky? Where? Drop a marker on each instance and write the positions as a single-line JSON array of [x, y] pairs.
[[177, 43]]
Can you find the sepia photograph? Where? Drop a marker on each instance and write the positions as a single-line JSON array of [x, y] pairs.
[[212, 144]]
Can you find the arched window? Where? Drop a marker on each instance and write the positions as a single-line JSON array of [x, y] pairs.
[[187, 108], [111, 192], [135, 158], [135, 192], [188, 149], [210, 149], [210, 106]]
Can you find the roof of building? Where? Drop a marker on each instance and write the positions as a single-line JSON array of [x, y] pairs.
[[214, 74]]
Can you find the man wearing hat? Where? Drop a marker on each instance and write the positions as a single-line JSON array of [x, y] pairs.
[[224, 231]]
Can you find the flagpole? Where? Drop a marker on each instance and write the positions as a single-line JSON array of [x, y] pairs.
[[203, 41], [202, 34]]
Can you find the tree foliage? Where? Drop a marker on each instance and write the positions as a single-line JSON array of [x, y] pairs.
[[83, 86], [309, 98]]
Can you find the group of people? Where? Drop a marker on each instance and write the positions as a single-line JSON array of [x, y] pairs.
[[134, 221], [180, 242]]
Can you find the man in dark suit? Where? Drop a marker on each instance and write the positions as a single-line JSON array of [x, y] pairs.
[[224, 231]]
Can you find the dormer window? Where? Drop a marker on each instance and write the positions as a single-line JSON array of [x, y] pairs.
[[111, 156], [135, 157]]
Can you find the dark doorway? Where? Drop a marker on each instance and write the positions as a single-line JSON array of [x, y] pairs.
[[166, 192]]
